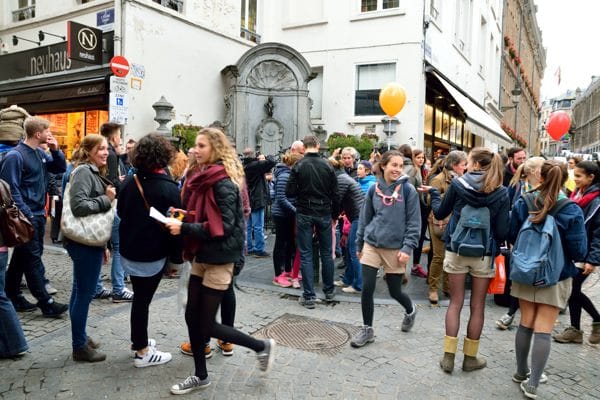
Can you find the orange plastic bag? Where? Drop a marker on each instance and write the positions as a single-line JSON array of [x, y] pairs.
[[498, 283]]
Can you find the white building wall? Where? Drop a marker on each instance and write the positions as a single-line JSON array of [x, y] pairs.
[[182, 61], [336, 37]]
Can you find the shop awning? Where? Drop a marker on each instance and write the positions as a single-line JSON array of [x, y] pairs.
[[478, 121]]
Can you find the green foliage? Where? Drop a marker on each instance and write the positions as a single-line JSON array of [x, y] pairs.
[[187, 133], [363, 144]]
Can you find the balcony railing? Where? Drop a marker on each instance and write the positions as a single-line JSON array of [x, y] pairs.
[[23, 13], [249, 35]]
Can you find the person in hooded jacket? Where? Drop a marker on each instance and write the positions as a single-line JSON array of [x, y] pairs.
[[540, 305], [587, 196], [283, 211], [351, 199], [365, 177], [388, 232], [480, 187]]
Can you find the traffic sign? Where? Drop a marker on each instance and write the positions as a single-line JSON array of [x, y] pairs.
[[119, 85], [118, 108], [119, 66]]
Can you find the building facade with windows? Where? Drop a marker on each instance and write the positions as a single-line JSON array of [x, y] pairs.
[[446, 54], [523, 65], [585, 124], [174, 48]]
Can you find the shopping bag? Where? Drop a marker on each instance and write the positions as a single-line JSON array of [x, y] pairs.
[[499, 281]]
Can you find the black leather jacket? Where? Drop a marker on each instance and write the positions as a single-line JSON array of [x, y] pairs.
[[314, 185]]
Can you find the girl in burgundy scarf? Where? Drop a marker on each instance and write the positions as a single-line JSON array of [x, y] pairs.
[[214, 238], [587, 196]]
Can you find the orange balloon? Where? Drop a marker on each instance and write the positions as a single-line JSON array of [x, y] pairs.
[[392, 99]]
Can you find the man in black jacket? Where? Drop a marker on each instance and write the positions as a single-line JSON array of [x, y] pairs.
[[255, 170], [314, 185], [116, 174]]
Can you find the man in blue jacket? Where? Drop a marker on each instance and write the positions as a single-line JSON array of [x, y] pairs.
[[26, 168]]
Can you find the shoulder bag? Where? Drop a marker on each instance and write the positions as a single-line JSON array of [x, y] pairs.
[[92, 230], [14, 226]]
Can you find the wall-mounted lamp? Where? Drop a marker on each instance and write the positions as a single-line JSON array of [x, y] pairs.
[[515, 96], [41, 35], [15, 40]]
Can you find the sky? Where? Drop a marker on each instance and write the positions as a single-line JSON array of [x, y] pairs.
[[571, 36]]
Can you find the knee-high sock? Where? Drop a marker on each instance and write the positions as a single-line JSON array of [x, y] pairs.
[[522, 346]]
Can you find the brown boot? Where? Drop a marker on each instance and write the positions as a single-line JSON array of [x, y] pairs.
[[86, 353], [569, 335], [471, 361], [433, 297], [447, 362], [595, 335]]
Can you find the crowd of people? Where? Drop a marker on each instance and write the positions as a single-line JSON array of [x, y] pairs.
[[373, 215]]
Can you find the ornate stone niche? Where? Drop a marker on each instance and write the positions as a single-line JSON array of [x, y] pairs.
[[267, 104]]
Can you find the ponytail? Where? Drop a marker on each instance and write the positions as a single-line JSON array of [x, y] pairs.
[[492, 166], [554, 175]]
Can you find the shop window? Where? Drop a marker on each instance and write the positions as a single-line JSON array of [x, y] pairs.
[[445, 127], [370, 79], [374, 5], [438, 124], [428, 128], [176, 5], [25, 10], [452, 135], [248, 21]]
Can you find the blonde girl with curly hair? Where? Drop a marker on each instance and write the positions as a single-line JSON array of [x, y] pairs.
[[214, 232]]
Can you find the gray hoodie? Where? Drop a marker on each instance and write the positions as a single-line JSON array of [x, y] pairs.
[[397, 226]]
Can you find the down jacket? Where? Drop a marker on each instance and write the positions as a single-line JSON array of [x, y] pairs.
[[351, 196], [283, 206]]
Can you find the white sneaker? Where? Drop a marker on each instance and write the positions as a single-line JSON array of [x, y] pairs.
[[50, 289], [152, 357]]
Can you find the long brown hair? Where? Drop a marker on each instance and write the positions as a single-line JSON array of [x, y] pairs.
[[224, 152], [554, 175], [491, 164], [86, 150]]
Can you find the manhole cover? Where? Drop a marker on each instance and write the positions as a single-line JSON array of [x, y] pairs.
[[310, 334]]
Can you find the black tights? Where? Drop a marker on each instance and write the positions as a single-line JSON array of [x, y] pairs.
[[578, 300], [394, 283], [200, 312], [457, 297]]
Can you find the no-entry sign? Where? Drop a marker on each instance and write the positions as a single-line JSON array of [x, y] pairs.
[[119, 66]]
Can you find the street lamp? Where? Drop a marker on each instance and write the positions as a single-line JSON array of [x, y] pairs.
[[515, 96]]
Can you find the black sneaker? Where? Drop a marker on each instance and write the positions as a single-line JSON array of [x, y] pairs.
[[307, 303], [22, 305], [190, 383], [266, 357], [53, 309], [329, 296], [103, 294]]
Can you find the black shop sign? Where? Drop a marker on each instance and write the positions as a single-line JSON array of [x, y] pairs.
[[84, 43]]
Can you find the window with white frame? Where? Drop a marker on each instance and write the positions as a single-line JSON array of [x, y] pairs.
[[375, 5], [176, 5], [315, 92], [483, 44], [248, 21], [464, 16], [25, 10], [370, 78]]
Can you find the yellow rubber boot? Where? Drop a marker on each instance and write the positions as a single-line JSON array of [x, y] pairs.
[[471, 361], [450, 346]]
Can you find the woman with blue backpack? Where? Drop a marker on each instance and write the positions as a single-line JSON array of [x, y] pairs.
[[587, 196], [541, 299], [478, 196]]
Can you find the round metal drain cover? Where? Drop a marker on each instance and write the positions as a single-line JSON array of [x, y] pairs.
[[307, 333]]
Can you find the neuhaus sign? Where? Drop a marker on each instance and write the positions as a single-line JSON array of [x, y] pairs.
[[40, 61], [84, 43]]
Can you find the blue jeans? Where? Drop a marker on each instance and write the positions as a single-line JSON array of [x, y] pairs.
[[353, 274], [117, 275], [87, 262], [12, 339], [27, 259], [304, 231], [256, 224]]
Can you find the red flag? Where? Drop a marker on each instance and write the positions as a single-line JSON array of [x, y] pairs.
[[557, 75]]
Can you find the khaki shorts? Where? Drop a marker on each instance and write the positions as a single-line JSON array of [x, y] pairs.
[[214, 276], [388, 258], [476, 266]]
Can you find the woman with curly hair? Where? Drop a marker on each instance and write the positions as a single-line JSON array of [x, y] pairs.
[[214, 239], [146, 246]]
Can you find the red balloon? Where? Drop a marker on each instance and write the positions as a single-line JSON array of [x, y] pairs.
[[558, 124]]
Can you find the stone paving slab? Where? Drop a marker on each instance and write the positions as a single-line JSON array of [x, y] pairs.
[[397, 365]]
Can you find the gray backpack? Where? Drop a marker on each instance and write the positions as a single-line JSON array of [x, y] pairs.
[[472, 235]]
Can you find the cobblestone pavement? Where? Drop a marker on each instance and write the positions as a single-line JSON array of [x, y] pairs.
[[396, 365]]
